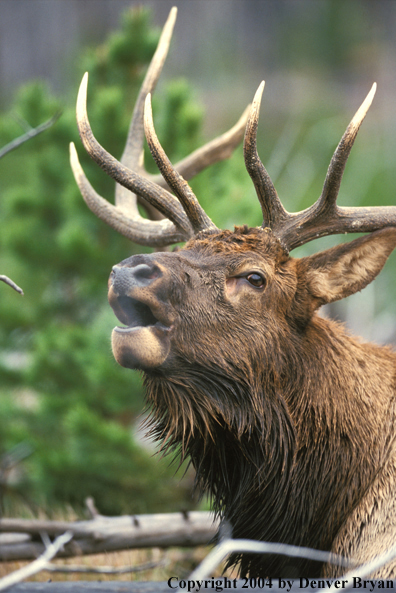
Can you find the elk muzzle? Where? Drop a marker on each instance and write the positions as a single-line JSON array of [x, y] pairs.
[[143, 342]]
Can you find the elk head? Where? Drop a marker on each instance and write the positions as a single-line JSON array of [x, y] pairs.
[[222, 284]]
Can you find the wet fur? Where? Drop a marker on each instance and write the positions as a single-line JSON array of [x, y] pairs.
[[290, 428]]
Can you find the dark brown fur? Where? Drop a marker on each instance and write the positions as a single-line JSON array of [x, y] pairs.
[[288, 420]]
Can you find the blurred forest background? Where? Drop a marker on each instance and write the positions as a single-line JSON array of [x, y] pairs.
[[68, 412]]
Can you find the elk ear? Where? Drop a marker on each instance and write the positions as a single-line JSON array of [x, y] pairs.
[[338, 272]]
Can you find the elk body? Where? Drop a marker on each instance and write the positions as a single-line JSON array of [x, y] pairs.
[[288, 421]]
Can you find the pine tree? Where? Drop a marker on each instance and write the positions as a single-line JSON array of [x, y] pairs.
[[62, 393]]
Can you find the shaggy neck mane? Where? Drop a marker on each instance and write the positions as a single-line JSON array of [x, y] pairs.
[[253, 441]]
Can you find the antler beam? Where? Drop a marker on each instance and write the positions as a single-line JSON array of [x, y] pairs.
[[133, 226]]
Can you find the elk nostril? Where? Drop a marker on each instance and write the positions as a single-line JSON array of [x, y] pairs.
[[123, 279], [145, 272]]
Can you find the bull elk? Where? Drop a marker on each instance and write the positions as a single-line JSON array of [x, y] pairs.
[[288, 420]]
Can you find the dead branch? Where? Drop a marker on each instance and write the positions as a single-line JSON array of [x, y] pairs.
[[38, 565], [31, 133], [71, 568], [11, 283], [109, 533], [230, 546]]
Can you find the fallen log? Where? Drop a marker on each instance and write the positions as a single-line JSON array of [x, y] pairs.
[[105, 534]]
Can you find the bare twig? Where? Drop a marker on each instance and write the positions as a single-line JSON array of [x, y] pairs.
[[91, 508], [11, 458], [105, 569], [38, 565], [11, 283], [29, 134], [232, 546], [367, 569]]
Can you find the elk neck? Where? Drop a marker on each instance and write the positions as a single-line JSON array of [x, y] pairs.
[[252, 433]]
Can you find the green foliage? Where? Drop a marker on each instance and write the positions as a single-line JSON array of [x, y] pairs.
[[62, 392], [335, 33], [126, 53]]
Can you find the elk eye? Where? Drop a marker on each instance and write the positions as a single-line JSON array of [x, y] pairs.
[[256, 280]]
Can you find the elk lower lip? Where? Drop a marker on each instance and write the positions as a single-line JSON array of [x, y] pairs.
[[141, 347], [144, 341]]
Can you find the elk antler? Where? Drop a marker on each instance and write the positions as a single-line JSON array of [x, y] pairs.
[[184, 217], [324, 217], [196, 214]]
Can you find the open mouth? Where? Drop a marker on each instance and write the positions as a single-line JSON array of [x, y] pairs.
[[143, 342], [144, 339], [134, 314]]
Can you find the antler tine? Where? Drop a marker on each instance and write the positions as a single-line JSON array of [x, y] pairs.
[[134, 227], [216, 150], [195, 213], [155, 195], [132, 156], [337, 164], [324, 217], [273, 211]]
